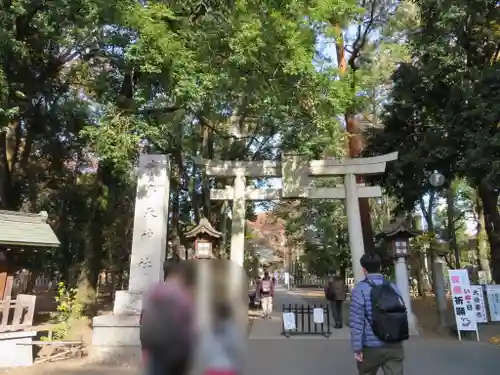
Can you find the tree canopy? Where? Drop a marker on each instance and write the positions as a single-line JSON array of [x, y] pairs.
[[442, 113], [88, 85]]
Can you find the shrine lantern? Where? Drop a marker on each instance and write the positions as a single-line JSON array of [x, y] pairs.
[[206, 238], [398, 233]]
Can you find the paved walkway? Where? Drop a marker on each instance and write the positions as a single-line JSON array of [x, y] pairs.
[[269, 352]]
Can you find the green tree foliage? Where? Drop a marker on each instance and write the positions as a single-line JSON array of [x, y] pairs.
[[86, 85], [443, 111]]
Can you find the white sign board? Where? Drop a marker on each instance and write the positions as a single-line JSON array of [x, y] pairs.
[[463, 307], [289, 321], [318, 315], [479, 304], [493, 295]]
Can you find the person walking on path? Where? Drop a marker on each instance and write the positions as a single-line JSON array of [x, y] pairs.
[[265, 289], [335, 293], [378, 320]]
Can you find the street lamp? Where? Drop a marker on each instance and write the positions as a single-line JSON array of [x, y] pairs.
[[436, 179]]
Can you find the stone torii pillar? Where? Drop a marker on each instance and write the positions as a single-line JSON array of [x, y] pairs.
[[296, 172]]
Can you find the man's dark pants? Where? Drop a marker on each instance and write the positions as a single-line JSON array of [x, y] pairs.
[[336, 307], [389, 357]]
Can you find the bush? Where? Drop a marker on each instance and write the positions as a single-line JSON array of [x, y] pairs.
[[68, 313]]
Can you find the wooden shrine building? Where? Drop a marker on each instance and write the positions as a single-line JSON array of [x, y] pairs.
[[21, 232]]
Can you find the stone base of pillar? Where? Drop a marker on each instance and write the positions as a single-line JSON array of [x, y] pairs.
[[115, 340], [127, 302], [413, 325]]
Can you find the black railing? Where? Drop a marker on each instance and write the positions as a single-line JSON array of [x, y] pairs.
[[304, 320]]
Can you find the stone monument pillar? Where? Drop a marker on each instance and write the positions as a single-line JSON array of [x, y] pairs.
[[116, 337], [440, 291]]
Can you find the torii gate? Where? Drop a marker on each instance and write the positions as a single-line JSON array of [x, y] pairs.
[[296, 173]]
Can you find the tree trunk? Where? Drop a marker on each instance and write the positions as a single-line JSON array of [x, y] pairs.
[[174, 231], [428, 216], [482, 240], [354, 148], [91, 266], [10, 140], [450, 212], [205, 152], [489, 197]]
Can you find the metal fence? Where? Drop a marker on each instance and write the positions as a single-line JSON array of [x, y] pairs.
[[305, 320]]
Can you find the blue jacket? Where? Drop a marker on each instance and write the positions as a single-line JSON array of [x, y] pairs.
[[360, 311]]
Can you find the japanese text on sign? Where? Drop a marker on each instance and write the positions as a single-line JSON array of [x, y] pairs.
[[493, 294], [479, 305], [463, 303]]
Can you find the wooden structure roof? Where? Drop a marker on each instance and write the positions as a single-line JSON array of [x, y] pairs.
[[401, 226], [26, 229], [203, 227]]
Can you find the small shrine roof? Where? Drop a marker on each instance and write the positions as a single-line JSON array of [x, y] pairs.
[[203, 227], [401, 225], [26, 229]]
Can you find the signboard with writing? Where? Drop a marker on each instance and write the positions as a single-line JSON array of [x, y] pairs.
[[289, 321], [463, 307], [318, 314], [493, 295], [479, 304]]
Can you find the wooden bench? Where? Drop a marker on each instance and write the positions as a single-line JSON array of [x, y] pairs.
[[14, 330]]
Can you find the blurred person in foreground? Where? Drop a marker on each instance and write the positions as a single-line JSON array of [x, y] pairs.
[[378, 320], [167, 321], [335, 293], [220, 349]]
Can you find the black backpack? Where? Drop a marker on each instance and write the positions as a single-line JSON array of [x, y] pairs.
[[389, 315], [330, 292]]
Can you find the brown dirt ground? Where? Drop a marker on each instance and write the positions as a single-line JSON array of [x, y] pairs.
[[71, 367]]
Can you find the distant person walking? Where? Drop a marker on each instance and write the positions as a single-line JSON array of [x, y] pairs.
[[335, 293], [266, 293], [378, 320]]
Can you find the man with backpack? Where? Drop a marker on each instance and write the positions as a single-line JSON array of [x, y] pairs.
[[266, 292], [378, 320], [335, 293]]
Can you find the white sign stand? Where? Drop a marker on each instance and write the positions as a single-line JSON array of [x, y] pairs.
[[463, 307], [318, 315], [493, 294], [289, 321], [479, 304]]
